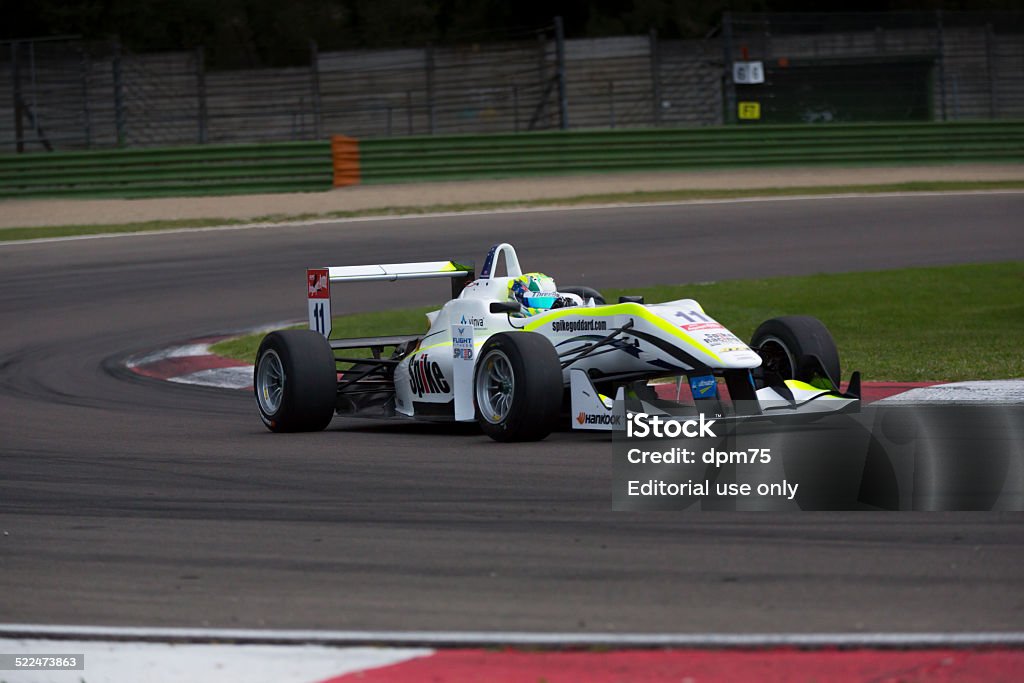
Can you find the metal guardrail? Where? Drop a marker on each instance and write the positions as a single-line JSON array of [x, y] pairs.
[[171, 171], [414, 159], [311, 166]]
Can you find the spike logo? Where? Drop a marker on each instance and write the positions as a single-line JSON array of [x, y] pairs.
[[426, 377]]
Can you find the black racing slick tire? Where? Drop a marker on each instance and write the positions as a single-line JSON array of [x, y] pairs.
[[295, 381], [517, 387], [584, 293], [783, 342]]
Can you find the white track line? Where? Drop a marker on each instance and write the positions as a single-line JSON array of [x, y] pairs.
[[512, 210], [515, 638], [988, 391], [122, 662], [186, 351], [238, 377]]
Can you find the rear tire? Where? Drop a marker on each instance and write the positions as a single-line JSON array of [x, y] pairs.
[[517, 387], [295, 382], [782, 342]]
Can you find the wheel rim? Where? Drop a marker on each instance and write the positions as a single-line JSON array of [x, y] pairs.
[[495, 387], [270, 382], [777, 357]]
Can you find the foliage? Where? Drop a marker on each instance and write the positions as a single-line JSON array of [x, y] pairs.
[[271, 32]]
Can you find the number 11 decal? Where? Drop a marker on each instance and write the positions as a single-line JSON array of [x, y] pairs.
[[318, 295], [318, 315]]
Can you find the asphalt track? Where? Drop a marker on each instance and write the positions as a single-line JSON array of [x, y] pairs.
[[126, 501]]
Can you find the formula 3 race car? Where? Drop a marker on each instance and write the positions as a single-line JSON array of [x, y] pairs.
[[518, 355]]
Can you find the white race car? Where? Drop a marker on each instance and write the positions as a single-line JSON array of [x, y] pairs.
[[518, 355]]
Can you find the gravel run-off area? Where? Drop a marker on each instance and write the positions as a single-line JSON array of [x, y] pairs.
[[48, 212]]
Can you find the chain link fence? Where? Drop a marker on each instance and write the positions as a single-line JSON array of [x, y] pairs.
[[815, 68], [902, 66]]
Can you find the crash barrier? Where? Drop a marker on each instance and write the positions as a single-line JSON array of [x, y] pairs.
[[172, 171], [342, 161], [460, 157]]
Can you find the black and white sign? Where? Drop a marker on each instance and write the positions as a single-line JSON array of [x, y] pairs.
[[748, 73]]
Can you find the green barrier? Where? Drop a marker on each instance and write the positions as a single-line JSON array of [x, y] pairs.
[[307, 166], [169, 172], [456, 157]]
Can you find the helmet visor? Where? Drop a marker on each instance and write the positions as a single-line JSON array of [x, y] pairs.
[[540, 300]]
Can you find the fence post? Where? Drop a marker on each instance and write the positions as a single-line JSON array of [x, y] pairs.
[[543, 81], [201, 94], [542, 61], [990, 69], [119, 122], [19, 132], [655, 76], [314, 82], [729, 88], [408, 109], [85, 68], [940, 44], [611, 104], [429, 59], [33, 110], [563, 103], [515, 106]]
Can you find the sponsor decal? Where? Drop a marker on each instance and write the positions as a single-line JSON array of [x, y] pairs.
[[585, 325], [461, 338], [598, 419], [318, 298], [426, 377], [488, 262], [703, 386], [462, 342], [693, 327], [721, 339], [318, 282], [470, 320]]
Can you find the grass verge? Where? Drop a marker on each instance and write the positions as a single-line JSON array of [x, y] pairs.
[[15, 234], [916, 324]]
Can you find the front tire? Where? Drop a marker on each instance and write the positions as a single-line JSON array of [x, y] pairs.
[[295, 381], [517, 387], [783, 342]]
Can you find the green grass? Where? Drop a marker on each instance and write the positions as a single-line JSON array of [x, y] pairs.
[[404, 321], [947, 323], [13, 234]]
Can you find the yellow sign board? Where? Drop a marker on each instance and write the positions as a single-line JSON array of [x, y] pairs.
[[750, 110]]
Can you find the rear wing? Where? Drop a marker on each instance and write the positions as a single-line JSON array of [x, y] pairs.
[[318, 281]]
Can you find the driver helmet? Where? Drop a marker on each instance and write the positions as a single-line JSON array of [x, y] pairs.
[[535, 292]]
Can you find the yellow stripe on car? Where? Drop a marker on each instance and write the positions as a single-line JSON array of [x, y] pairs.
[[804, 386], [635, 310]]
